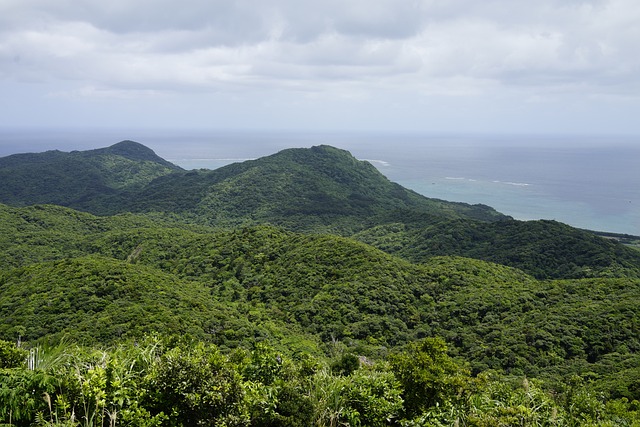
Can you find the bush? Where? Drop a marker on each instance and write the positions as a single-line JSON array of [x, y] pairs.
[[11, 356], [196, 387]]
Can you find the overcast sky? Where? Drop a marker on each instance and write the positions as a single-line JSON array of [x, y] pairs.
[[544, 66]]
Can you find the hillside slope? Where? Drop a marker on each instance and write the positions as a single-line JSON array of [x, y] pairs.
[[324, 189], [544, 249], [320, 188], [77, 178], [98, 299], [299, 290]]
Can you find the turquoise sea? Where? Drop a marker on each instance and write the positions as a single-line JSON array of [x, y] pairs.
[[585, 181]]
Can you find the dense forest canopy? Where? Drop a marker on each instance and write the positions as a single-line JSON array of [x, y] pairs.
[[302, 288]]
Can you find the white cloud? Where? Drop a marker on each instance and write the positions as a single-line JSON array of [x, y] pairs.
[[336, 48]]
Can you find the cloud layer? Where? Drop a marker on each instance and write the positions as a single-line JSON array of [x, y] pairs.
[[391, 51]]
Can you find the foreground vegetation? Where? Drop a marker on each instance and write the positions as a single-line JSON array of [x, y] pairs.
[[169, 382]]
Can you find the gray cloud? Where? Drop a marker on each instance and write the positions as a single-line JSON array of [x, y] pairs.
[[347, 48]]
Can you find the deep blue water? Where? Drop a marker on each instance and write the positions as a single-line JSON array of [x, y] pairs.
[[587, 182]]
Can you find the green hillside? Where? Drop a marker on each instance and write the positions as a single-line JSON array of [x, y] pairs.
[[99, 278], [493, 316], [321, 189], [44, 233], [75, 179], [91, 299], [300, 289], [544, 249]]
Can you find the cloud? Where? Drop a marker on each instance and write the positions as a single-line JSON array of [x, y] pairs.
[[335, 48]]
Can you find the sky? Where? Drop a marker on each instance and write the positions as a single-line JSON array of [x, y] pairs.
[[452, 66]]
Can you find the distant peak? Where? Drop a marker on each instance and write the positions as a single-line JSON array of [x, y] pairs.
[[319, 151], [329, 149], [136, 151], [128, 147]]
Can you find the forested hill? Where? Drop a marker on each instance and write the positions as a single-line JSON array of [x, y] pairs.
[[100, 279], [302, 288], [320, 189], [75, 179], [543, 248]]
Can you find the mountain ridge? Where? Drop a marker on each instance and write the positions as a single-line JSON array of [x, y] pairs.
[[134, 151], [76, 178], [321, 189], [322, 181]]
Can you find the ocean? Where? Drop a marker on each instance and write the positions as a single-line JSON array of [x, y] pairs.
[[585, 181]]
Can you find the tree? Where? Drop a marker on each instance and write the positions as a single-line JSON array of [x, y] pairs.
[[428, 376], [196, 387], [11, 356]]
